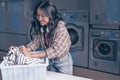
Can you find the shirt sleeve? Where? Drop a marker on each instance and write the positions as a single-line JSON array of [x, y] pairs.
[[61, 43], [35, 43]]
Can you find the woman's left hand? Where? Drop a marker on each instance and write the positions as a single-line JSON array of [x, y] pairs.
[[25, 51]]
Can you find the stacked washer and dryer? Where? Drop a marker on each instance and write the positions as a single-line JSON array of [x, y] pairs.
[[104, 40]]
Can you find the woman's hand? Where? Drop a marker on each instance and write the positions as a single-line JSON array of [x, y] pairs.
[[25, 51]]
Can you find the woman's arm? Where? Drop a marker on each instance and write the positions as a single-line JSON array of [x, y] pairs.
[[34, 44], [26, 51]]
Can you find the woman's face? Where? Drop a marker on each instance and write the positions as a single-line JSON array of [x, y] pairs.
[[42, 18]]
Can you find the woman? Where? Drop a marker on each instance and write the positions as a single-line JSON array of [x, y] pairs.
[[52, 36]]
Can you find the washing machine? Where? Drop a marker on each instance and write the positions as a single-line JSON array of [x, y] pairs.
[[104, 50], [77, 26]]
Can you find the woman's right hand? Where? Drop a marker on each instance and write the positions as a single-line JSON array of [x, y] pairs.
[[11, 47]]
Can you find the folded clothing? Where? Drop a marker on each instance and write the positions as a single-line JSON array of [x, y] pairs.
[[16, 57]]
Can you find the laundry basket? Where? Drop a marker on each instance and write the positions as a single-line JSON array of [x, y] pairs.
[[24, 72]]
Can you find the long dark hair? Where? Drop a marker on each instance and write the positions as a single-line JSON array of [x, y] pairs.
[[49, 10]]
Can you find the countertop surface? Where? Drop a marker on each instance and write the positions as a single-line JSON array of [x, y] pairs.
[[60, 76]]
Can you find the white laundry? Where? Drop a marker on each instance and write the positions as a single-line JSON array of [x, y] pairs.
[[15, 57]]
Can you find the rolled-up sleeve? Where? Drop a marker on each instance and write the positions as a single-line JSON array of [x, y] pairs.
[[61, 43]]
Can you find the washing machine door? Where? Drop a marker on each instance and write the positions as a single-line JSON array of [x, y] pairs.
[[105, 49], [76, 35]]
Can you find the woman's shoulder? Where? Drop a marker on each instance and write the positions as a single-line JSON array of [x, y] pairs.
[[61, 26]]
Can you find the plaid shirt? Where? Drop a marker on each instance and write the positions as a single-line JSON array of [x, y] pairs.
[[60, 44]]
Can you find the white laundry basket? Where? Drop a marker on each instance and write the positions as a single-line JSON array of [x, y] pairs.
[[24, 72]]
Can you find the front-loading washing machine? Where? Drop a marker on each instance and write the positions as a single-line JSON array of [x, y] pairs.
[[104, 50], [77, 26]]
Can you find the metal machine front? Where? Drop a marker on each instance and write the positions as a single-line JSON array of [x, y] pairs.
[[104, 52], [77, 26]]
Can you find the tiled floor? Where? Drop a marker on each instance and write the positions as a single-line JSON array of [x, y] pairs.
[[96, 75]]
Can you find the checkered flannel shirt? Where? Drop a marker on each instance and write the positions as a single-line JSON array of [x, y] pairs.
[[60, 44]]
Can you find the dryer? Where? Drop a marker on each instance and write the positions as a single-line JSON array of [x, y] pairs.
[[104, 50], [77, 26]]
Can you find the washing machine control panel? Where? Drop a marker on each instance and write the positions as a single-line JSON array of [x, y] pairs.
[[106, 33], [74, 15], [112, 34]]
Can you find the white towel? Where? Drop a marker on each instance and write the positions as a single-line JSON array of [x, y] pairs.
[[15, 57]]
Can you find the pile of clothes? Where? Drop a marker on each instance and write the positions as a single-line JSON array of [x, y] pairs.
[[16, 57]]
